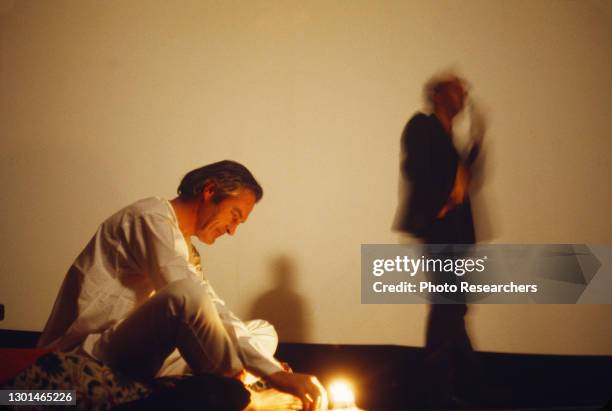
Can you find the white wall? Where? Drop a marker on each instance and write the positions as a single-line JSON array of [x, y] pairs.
[[106, 102]]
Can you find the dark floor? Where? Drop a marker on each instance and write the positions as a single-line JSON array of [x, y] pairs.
[[391, 377]]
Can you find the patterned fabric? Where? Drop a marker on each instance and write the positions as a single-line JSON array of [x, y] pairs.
[[97, 386], [195, 259]]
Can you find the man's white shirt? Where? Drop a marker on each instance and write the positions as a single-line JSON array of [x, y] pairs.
[[136, 251]]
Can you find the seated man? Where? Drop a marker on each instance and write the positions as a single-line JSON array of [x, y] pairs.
[[137, 292]]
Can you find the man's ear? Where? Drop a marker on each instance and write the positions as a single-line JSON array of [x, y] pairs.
[[209, 190]]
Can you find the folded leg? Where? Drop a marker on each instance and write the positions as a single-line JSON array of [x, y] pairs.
[[181, 316]]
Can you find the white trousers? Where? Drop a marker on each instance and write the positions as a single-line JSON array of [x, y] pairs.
[[177, 331]]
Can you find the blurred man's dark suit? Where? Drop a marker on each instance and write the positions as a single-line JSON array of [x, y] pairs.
[[429, 165]]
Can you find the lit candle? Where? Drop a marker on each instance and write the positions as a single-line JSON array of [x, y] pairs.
[[341, 396]]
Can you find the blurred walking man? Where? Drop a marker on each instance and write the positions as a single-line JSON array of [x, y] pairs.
[[439, 212]]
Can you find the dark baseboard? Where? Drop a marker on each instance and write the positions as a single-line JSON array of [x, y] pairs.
[[18, 339]]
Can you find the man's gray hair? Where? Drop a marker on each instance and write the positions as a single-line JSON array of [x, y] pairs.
[[228, 177], [438, 82]]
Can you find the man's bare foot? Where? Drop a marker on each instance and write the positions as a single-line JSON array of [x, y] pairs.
[[273, 400]]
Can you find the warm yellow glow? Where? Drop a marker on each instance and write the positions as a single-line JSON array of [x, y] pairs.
[[341, 395], [247, 378]]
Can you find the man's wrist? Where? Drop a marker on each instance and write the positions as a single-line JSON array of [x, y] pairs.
[[274, 375]]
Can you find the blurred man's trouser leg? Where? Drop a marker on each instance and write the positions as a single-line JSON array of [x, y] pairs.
[[449, 361]]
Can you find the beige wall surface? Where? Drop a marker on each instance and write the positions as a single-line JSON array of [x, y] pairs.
[[106, 102]]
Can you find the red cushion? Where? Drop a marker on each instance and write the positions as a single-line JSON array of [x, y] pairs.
[[15, 360]]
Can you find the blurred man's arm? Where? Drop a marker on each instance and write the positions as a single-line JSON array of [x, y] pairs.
[[459, 192]]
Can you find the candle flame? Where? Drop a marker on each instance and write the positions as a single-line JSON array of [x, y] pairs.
[[341, 395]]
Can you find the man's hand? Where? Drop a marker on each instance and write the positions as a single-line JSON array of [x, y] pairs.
[[305, 387], [462, 180], [457, 196]]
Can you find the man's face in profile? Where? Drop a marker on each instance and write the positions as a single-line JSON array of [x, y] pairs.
[[216, 219]]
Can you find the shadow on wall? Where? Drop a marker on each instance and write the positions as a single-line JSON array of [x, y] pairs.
[[282, 306]]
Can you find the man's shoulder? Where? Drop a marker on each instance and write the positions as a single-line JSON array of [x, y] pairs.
[[418, 128], [419, 120], [152, 207], [150, 204]]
